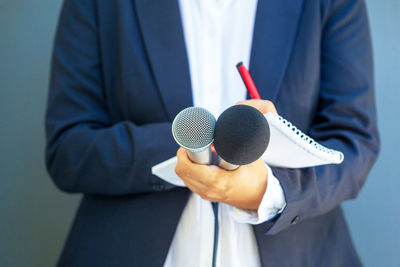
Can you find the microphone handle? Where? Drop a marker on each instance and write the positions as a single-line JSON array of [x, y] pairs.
[[226, 165], [201, 157], [206, 157]]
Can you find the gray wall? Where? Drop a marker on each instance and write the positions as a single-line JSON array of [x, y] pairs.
[[35, 217], [374, 217]]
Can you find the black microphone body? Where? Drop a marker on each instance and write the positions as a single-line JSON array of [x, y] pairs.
[[241, 136]]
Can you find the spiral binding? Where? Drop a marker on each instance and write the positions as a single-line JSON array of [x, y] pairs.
[[306, 139]]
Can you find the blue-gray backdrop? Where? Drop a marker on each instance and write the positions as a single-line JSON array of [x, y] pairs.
[[35, 216]]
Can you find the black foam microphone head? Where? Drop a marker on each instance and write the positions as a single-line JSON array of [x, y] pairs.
[[241, 135]]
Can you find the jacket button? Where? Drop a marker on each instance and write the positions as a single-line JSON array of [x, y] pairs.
[[295, 220], [158, 187]]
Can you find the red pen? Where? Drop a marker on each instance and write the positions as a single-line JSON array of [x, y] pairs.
[[248, 81]]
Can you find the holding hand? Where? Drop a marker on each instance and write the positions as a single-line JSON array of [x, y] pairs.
[[243, 188]]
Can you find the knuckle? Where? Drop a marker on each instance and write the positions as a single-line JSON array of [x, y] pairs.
[[203, 195], [212, 181], [187, 185], [178, 153], [184, 172], [220, 186], [214, 191], [180, 170], [270, 104], [206, 195], [219, 183], [177, 169]]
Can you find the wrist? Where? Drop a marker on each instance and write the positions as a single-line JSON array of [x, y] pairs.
[[246, 190], [263, 186], [272, 204]]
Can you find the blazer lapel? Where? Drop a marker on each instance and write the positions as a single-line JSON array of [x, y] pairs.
[[161, 27], [274, 33]]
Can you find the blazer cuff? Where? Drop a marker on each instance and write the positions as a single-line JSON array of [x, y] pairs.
[[293, 212], [272, 204]]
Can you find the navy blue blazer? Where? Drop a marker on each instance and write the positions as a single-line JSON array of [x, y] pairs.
[[120, 74]]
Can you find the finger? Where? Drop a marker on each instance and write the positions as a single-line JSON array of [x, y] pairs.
[[185, 165], [197, 182], [186, 169], [182, 156], [264, 106], [194, 186], [201, 190]]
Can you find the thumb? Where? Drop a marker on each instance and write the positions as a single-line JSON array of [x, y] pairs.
[[264, 106]]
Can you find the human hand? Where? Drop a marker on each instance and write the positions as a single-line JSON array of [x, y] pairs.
[[243, 187]]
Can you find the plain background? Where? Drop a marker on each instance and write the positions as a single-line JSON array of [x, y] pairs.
[[35, 216]]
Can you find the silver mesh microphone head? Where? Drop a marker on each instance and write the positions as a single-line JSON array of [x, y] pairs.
[[193, 128]]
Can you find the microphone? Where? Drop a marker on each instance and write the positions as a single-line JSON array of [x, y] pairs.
[[241, 136], [193, 129]]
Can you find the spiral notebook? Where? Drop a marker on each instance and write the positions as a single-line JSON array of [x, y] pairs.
[[288, 148], [291, 148]]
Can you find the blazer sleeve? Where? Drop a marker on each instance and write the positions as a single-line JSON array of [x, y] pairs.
[[345, 120], [85, 151]]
